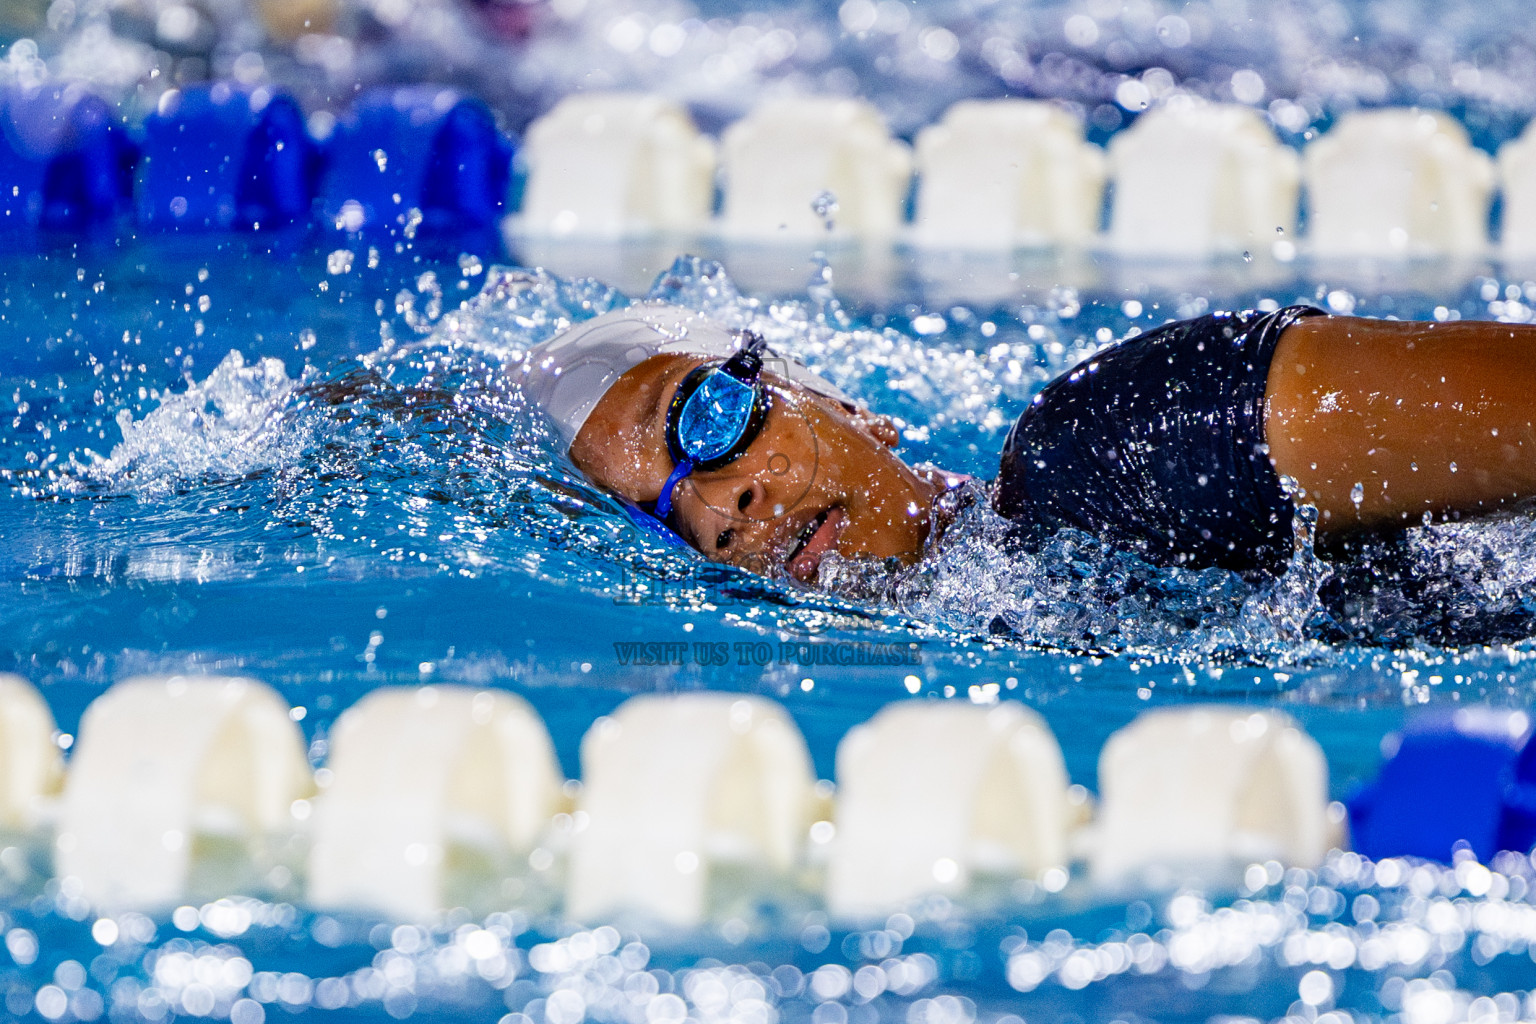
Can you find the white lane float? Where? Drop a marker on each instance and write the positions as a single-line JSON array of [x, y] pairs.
[[790, 156], [31, 767], [177, 784], [1207, 788], [432, 793], [1398, 182], [690, 801], [609, 165], [932, 795], [996, 174], [1517, 174], [1194, 178]]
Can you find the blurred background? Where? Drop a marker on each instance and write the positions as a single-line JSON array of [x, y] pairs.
[[1302, 62]]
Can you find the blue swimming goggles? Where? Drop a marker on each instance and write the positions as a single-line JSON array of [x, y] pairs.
[[715, 414]]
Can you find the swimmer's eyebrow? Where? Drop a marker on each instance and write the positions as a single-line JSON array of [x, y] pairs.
[[659, 402], [661, 398]]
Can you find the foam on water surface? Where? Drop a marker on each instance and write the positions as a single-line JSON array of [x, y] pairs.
[[225, 426]]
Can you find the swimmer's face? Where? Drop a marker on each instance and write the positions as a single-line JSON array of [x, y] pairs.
[[817, 478]]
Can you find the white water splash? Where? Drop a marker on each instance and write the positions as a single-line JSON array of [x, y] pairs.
[[1074, 592], [517, 308], [232, 423], [937, 386]]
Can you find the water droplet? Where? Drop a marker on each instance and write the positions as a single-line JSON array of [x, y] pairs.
[[824, 205], [1247, 256], [1453, 467], [1357, 494], [828, 309]]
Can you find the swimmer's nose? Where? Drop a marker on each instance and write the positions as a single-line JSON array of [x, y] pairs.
[[751, 500], [732, 519], [736, 498]]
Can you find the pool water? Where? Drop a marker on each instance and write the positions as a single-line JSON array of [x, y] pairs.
[[300, 459]]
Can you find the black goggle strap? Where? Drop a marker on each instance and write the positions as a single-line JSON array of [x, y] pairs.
[[747, 362]]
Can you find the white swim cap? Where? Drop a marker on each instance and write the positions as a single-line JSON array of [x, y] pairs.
[[569, 374]]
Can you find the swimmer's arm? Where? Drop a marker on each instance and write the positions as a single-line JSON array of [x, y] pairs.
[[1382, 421]]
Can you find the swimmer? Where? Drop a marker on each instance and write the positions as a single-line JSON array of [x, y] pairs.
[[1190, 444]]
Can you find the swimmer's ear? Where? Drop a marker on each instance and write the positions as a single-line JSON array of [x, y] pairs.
[[882, 428]]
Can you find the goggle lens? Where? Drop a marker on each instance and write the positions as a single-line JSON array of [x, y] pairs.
[[715, 417]]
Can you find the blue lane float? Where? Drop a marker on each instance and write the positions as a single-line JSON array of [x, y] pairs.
[[220, 157], [417, 148], [1517, 822], [65, 159], [1462, 781]]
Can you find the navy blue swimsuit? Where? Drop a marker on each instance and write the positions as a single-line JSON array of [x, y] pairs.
[[1157, 445]]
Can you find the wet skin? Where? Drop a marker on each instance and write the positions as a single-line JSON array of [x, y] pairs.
[[1426, 417], [818, 477]]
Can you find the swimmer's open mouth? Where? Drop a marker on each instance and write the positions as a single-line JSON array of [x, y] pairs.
[[812, 542]]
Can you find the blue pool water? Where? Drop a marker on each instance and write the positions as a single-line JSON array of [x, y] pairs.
[[297, 457], [300, 459]]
